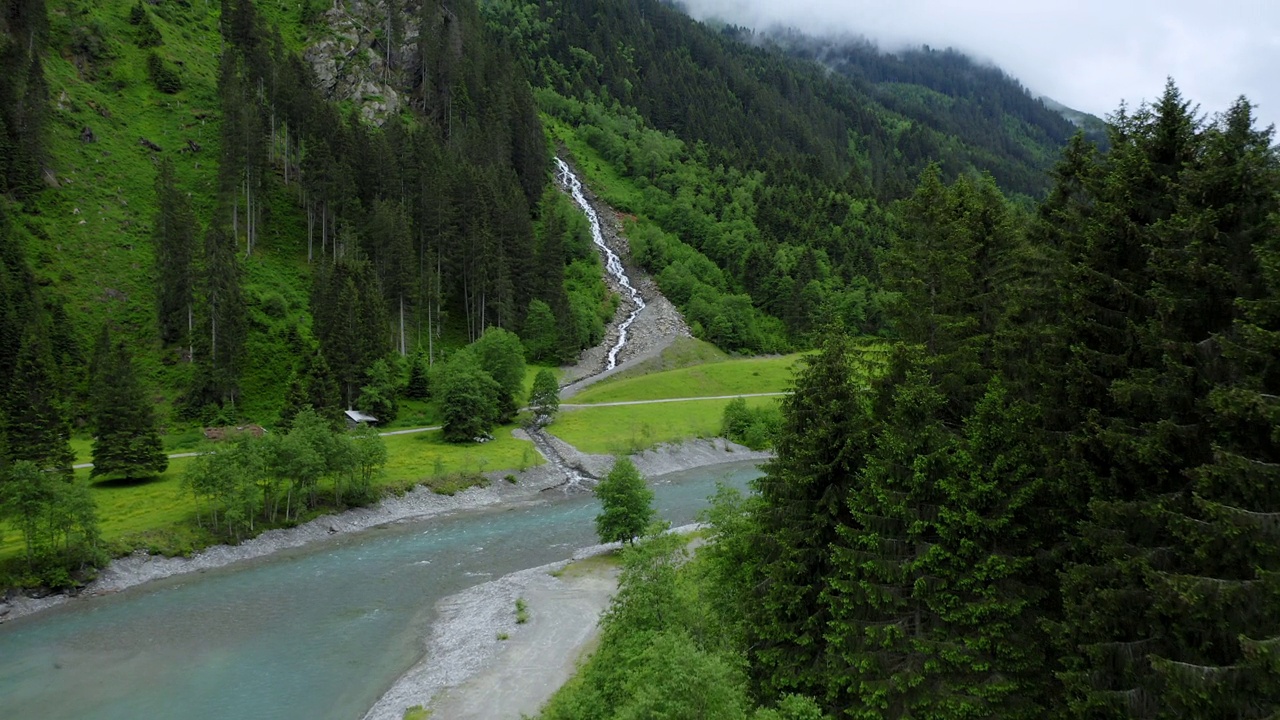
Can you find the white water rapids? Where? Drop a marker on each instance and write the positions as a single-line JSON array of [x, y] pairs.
[[613, 265]]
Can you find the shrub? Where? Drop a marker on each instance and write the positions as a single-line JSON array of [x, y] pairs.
[[754, 427], [162, 76]]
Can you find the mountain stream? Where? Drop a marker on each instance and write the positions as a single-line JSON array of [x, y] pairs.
[[317, 632], [613, 264]]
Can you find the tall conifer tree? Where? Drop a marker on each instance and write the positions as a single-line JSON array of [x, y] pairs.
[[36, 425], [126, 436], [222, 318], [175, 240]]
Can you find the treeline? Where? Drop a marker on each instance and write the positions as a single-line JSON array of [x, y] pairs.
[[410, 226], [40, 359], [785, 111], [24, 97], [965, 114], [756, 262], [279, 476], [41, 362], [1058, 499]]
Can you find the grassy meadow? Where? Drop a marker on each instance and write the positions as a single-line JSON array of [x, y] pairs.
[[730, 377], [622, 430]]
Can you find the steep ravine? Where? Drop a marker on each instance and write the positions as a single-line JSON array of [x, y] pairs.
[[645, 323]]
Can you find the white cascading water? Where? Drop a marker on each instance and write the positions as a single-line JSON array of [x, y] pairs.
[[613, 265]]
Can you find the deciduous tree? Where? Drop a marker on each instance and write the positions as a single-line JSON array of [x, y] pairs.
[[544, 397], [626, 504]]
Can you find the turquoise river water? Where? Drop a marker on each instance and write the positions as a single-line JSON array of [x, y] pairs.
[[316, 632]]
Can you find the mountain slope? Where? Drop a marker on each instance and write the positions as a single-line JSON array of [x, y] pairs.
[[761, 183], [460, 160]]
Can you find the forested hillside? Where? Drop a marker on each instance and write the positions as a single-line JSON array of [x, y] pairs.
[[1059, 497], [194, 233], [196, 192], [759, 180]]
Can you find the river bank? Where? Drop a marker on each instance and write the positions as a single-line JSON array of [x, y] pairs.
[[419, 503], [479, 662]]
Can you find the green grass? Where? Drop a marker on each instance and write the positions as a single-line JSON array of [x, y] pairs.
[[605, 181], [426, 413], [416, 414], [153, 514], [192, 440], [422, 455], [589, 566], [632, 428], [417, 712], [684, 352], [730, 377], [89, 238], [158, 516]]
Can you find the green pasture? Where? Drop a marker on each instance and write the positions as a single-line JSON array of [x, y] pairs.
[[419, 456], [683, 352], [730, 377], [157, 515], [633, 428]]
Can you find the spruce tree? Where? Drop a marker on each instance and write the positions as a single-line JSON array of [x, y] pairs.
[[295, 401], [879, 626], [221, 344], [1169, 605], [126, 437], [18, 302], [175, 246], [541, 333], [30, 130], [1216, 286], [827, 431], [544, 396], [379, 395], [36, 426], [322, 392], [418, 386]]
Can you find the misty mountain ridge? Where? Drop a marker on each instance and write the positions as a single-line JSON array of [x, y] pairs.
[[861, 58]]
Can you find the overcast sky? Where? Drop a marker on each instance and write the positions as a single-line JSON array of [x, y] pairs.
[[1087, 54]]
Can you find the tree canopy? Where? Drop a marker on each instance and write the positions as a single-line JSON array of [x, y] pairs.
[[626, 503]]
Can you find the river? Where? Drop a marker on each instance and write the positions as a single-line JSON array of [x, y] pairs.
[[316, 632]]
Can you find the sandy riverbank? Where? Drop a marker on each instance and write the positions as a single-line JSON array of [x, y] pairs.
[[470, 672], [140, 567], [480, 663]]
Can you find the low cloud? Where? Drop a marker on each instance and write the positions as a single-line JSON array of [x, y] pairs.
[[1088, 54]]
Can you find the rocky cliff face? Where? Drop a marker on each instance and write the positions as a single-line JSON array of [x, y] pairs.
[[366, 54]]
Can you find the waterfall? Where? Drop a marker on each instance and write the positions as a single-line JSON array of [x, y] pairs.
[[613, 265]]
